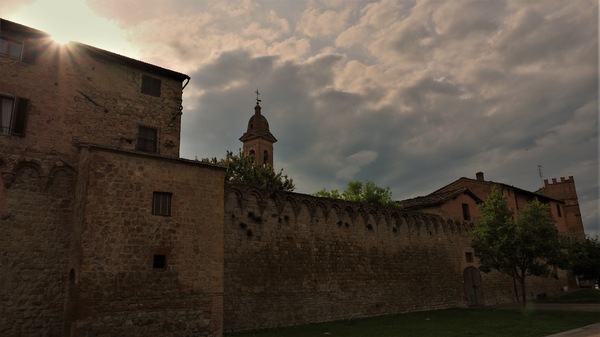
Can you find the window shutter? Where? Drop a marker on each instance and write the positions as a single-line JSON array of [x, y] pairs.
[[20, 121]]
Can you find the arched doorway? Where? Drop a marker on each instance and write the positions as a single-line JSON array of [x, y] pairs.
[[473, 286]]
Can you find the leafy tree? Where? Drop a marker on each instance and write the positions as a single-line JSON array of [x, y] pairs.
[[584, 259], [367, 192], [242, 169], [529, 246]]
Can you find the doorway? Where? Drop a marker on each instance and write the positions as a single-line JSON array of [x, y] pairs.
[[473, 286]]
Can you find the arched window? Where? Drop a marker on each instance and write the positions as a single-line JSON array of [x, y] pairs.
[[266, 157], [251, 153]]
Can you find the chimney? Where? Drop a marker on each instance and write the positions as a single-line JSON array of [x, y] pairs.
[[479, 176]]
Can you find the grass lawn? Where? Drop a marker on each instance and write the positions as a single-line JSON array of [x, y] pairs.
[[443, 323], [579, 296]]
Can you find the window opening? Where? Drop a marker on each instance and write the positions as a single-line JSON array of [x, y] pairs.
[[558, 210], [160, 261], [469, 257], [13, 115], [266, 157], [151, 85], [10, 48], [147, 139], [466, 212], [161, 203]]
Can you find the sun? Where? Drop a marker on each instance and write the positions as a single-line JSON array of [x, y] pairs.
[[60, 38], [73, 20]]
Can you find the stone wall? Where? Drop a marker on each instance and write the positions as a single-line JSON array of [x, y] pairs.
[[295, 259], [116, 288], [34, 241]]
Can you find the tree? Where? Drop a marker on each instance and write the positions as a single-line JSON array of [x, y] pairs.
[[357, 191], [529, 246], [242, 169], [584, 259]]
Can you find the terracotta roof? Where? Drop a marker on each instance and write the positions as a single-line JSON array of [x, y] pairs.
[[436, 199], [491, 183]]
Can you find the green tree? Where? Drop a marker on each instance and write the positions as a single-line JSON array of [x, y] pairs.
[[242, 169], [529, 246], [584, 259], [367, 192]]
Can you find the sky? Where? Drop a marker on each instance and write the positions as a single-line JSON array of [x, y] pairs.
[[408, 94]]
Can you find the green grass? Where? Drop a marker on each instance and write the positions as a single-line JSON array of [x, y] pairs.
[[443, 323], [578, 296]]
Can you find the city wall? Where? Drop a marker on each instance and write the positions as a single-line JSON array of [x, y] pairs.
[[293, 259]]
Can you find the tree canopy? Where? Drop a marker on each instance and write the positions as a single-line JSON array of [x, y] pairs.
[[584, 259], [527, 246], [367, 192], [242, 169]]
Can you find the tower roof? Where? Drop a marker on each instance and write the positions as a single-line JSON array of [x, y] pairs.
[[258, 127]]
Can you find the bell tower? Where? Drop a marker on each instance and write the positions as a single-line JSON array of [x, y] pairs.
[[258, 140]]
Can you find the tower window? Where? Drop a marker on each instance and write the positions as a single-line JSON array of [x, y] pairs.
[[558, 210], [469, 257], [161, 203], [266, 157], [147, 139], [151, 86]]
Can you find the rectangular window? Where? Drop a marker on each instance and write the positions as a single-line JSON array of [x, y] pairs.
[[13, 115], [159, 261], [10, 48], [469, 257], [558, 210], [147, 139], [161, 203], [151, 85], [466, 212]]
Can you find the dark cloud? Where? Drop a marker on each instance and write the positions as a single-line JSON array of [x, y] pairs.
[[411, 95]]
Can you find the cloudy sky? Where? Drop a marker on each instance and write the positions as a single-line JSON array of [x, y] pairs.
[[409, 94]]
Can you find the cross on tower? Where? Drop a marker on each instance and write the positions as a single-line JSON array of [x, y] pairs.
[[257, 93]]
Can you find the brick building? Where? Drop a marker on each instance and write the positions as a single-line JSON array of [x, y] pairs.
[[459, 199], [103, 230]]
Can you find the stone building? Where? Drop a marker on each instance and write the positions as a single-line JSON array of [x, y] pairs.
[[103, 230]]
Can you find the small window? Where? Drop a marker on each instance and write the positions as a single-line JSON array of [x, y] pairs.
[[13, 115], [469, 257], [147, 139], [160, 261], [10, 48], [558, 210], [266, 157], [466, 212], [151, 85], [161, 203]]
